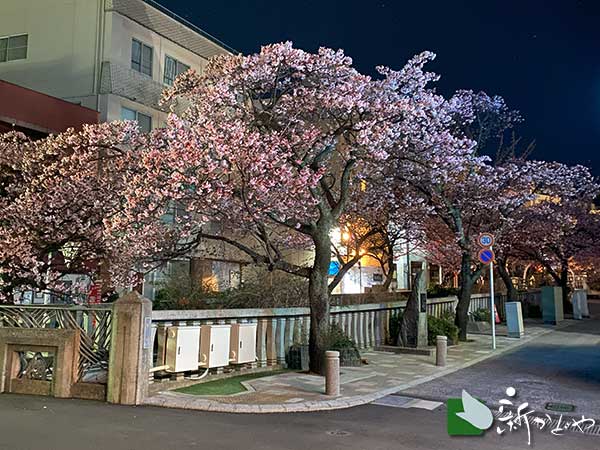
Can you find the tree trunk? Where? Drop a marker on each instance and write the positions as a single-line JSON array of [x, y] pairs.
[[318, 294], [464, 296], [564, 284], [511, 291], [409, 327], [389, 277]]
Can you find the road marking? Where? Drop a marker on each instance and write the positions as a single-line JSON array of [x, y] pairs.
[[399, 401]]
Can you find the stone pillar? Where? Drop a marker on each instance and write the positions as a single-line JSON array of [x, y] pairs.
[[261, 342], [422, 320], [130, 350], [332, 373]]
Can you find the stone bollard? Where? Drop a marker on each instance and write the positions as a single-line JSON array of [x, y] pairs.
[[332, 373], [441, 350]]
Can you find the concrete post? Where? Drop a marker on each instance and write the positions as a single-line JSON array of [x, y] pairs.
[[441, 350], [130, 350], [332, 373]]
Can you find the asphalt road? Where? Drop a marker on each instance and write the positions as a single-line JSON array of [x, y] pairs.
[[28, 423], [563, 366]]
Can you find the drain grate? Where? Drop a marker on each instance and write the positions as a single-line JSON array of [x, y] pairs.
[[560, 407]]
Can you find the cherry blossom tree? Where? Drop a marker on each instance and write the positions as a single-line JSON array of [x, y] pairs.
[[559, 229], [469, 194], [271, 146], [57, 198]]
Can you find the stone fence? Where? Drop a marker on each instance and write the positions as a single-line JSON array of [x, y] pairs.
[[279, 328]]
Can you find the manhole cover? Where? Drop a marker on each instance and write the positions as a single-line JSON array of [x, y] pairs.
[[338, 433], [560, 407]]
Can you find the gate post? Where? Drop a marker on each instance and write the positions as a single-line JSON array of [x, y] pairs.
[[130, 350]]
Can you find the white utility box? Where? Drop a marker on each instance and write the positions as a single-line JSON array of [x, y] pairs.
[[243, 343], [182, 348], [214, 345], [580, 304], [514, 319]]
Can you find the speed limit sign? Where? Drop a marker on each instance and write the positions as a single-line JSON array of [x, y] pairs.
[[486, 240]]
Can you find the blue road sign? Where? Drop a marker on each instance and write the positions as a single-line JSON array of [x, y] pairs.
[[486, 255], [334, 268], [486, 239]]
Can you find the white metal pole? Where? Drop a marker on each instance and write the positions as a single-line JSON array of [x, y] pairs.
[[492, 305]]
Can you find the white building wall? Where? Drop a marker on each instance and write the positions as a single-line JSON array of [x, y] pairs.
[[62, 42], [73, 44]]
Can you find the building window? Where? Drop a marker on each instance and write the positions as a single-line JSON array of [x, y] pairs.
[[13, 47], [141, 57], [144, 121], [172, 69]]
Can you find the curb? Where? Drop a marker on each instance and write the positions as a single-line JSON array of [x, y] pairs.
[[190, 402]]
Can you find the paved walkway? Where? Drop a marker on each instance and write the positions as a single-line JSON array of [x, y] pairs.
[[385, 374]]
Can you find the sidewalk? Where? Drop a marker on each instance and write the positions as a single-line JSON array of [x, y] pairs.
[[385, 374]]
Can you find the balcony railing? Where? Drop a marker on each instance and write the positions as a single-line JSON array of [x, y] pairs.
[[126, 82]]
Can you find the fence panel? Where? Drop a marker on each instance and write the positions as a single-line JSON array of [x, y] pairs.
[[94, 325]]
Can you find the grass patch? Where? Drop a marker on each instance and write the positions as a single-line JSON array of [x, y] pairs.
[[226, 386]]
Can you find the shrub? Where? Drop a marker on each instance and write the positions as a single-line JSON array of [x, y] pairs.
[[437, 291], [534, 311], [394, 330], [339, 341], [441, 327], [261, 289], [481, 315]]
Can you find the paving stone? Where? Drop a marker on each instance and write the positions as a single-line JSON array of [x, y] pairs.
[[384, 375]]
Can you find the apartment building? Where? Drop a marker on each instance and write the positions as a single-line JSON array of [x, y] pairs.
[[113, 56]]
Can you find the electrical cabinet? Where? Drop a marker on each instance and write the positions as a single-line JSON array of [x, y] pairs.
[[214, 345], [182, 348], [243, 343]]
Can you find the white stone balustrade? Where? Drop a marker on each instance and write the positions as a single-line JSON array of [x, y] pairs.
[[279, 328]]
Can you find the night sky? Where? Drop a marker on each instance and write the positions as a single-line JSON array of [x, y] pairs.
[[542, 56]]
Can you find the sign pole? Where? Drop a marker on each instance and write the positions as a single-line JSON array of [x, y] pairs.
[[492, 304]]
